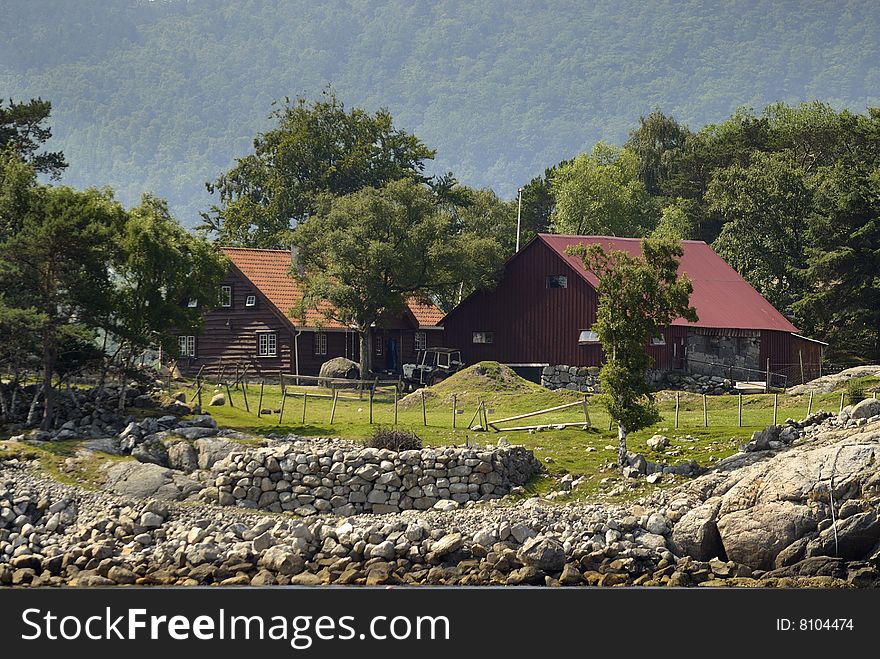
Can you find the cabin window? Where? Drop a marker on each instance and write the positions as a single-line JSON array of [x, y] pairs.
[[658, 340], [484, 337], [267, 344], [557, 281], [421, 341], [320, 343], [587, 336], [192, 303], [226, 296], [251, 301], [187, 345]]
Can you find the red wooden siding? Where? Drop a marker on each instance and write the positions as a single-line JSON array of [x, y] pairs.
[[531, 323]]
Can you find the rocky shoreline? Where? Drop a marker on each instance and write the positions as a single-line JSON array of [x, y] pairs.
[[802, 511]]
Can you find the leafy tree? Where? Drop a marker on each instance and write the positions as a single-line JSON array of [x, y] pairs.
[[680, 220], [841, 303], [316, 148], [638, 296], [368, 252], [764, 207], [22, 128], [656, 143], [159, 265], [601, 194], [56, 266]]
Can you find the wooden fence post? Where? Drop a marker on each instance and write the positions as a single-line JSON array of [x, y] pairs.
[[842, 394], [305, 402], [247, 407], [229, 394], [260, 410], [424, 412], [801, 360], [395, 405], [283, 401], [810, 404], [676, 409], [333, 409], [372, 389], [775, 407], [705, 413], [767, 386], [587, 421], [199, 391], [454, 408], [740, 409]]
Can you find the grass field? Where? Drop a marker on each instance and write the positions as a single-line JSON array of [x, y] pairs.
[[570, 450]]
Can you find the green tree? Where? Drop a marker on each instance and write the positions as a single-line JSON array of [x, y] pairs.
[[601, 194], [158, 266], [638, 296], [22, 128], [368, 252], [56, 266], [764, 207], [317, 147], [656, 143], [841, 303], [680, 220]]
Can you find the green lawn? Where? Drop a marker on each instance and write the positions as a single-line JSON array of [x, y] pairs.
[[570, 450]]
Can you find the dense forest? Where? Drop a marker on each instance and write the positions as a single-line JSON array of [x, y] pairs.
[[162, 96]]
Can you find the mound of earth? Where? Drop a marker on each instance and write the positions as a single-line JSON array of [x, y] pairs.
[[483, 378], [828, 383]]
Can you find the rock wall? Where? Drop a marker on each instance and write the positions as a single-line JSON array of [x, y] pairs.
[[743, 353], [308, 479], [575, 378]]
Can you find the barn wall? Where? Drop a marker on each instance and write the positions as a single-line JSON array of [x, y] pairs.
[[531, 323], [785, 351]]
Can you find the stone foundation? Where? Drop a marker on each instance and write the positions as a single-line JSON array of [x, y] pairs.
[[575, 378], [308, 479]]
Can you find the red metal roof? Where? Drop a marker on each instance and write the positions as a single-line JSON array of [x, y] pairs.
[[722, 298], [269, 271]]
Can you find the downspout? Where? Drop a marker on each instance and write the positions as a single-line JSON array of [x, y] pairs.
[[296, 354]]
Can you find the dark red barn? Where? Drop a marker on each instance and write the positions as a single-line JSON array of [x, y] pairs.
[[542, 309]]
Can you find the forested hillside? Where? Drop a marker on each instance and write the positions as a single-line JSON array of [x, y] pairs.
[[164, 95]]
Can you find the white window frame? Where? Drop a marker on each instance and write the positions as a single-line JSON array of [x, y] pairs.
[[659, 340], [187, 345], [193, 302], [483, 337], [587, 337], [421, 341], [250, 301], [563, 279], [267, 344], [226, 297], [320, 343]]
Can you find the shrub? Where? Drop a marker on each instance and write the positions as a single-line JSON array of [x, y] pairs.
[[855, 390], [394, 440]]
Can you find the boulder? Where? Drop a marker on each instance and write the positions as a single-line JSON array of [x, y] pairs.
[[182, 456], [144, 480], [658, 442], [755, 536], [217, 400], [855, 537], [696, 533], [338, 367], [152, 451], [282, 561], [211, 451], [544, 553], [865, 409]]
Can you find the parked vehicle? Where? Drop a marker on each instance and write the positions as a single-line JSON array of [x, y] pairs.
[[435, 365]]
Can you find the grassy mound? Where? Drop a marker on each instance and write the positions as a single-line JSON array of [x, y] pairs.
[[482, 380]]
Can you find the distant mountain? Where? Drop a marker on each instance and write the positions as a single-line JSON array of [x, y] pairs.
[[162, 95]]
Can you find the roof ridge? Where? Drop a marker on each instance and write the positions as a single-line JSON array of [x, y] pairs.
[[253, 249]]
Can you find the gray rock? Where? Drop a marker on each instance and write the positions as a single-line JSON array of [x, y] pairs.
[[544, 552], [755, 536], [148, 480], [696, 533], [182, 456], [282, 561], [211, 451], [447, 544], [865, 409], [217, 400]]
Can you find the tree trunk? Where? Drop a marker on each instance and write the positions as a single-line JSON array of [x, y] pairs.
[[48, 370], [365, 357], [621, 446], [32, 410], [4, 408]]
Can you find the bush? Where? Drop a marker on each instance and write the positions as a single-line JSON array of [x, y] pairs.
[[394, 440], [855, 390]]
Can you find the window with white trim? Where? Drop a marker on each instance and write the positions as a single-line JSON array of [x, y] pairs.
[[421, 341], [226, 296], [484, 337], [658, 340], [251, 301], [320, 343], [192, 303], [557, 281], [267, 344], [587, 336], [187, 345]]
